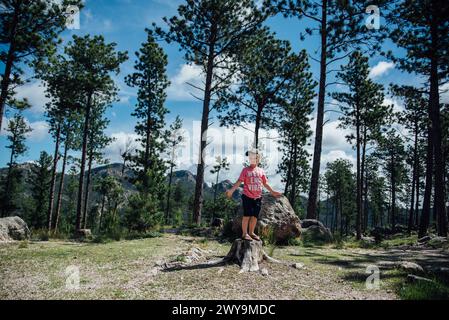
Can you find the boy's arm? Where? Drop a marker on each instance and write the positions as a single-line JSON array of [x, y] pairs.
[[274, 193], [234, 187]]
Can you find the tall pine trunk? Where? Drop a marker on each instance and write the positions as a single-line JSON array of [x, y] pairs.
[[198, 200], [436, 127], [61, 185], [53, 178], [79, 205], [425, 212], [364, 185], [8, 179], [312, 202], [87, 191], [393, 194], [359, 184], [415, 164], [8, 66], [167, 208]]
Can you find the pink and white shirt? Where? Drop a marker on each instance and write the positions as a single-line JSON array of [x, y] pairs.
[[253, 179]]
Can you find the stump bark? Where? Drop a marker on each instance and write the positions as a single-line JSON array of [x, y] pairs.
[[248, 254]]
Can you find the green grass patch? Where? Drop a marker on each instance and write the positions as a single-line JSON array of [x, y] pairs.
[[424, 290]]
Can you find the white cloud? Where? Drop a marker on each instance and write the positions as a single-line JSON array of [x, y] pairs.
[[334, 155], [179, 90], [39, 130], [35, 93], [115, 148], [397, 107], [444, 93], [380, 68], [334, 138]]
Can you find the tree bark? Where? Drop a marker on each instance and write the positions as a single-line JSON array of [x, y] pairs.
[[358, 182], [61, 186], [425, 212], [312, 201], [393, 194], [415, 164], [83, 164], [198, 200], [53, 178], [8, 66], [434, 102], [87, 191], [167, 209]]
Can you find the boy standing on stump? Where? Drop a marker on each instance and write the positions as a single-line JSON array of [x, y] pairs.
[[253, 178]]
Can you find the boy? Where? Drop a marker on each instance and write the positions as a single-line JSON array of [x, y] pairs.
[[253, 178]]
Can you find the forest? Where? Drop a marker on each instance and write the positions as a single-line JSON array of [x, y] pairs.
[[393, 187]]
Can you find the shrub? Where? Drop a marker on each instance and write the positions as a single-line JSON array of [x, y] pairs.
[[142, 213]]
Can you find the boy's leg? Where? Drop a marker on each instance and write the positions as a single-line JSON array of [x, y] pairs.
[[245, 221], [252, 224], [253, 219]]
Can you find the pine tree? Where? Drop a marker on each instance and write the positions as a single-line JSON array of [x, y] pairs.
[[28, 32], [97, 141], [341, 185], [221, 164], [211, 33], [341, 28], [175, 139], [17, 131], [363, 110], [391, 152], [40, 183], [70, 131], [294, 129], [91, 62], [267, 71], [147, 163], [415, 120], [421, 28]]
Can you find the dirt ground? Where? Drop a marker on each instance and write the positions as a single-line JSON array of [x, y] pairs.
[[126, 270]]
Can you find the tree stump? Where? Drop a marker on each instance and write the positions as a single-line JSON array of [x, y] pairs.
[[248, 254]]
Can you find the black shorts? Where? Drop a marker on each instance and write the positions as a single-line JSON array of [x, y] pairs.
[[251, 207]]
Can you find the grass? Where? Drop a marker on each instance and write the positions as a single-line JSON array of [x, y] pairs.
[[122, 270], [423, 290]]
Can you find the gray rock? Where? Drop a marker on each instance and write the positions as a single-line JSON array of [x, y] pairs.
[[298, 265], [411, 267], [424, 239], [414, 278], [310, 222], [315, 231], [13, 228], [368, 240], [277, 215], [83, 233]]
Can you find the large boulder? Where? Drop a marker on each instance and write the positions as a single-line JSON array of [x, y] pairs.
[[276, 214], [13, 228], [315, 231]]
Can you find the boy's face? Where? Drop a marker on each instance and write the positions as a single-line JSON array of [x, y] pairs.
[[253, 159]]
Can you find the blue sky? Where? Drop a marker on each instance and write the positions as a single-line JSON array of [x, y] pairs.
[[123, 22]]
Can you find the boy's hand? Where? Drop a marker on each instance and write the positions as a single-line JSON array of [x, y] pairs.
[[229, 194], [276, 194]]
